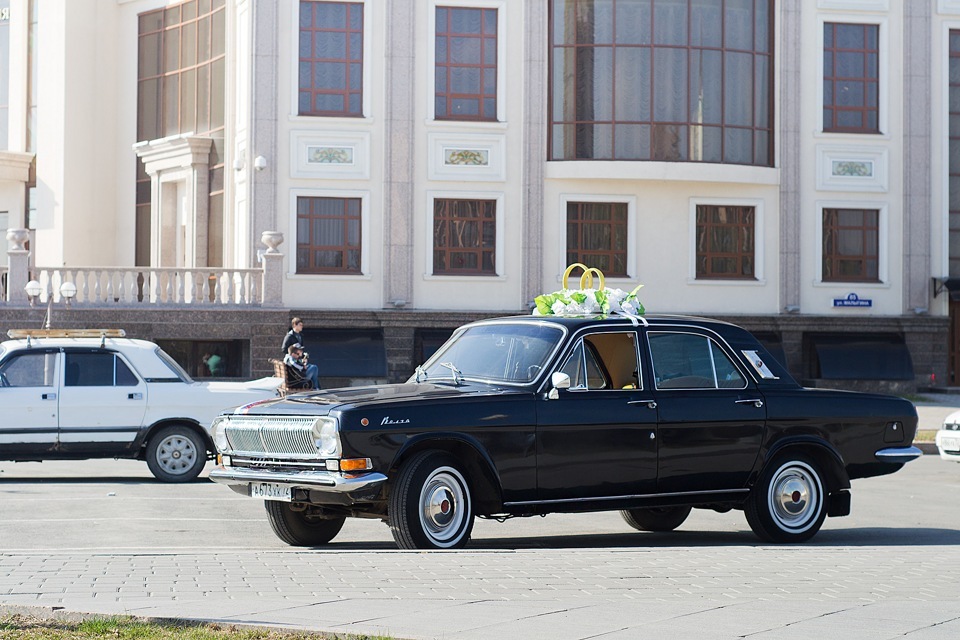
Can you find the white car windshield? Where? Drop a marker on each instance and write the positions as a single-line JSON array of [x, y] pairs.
[[497, 352]]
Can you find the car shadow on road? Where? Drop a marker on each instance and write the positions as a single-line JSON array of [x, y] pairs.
[[859, 537]]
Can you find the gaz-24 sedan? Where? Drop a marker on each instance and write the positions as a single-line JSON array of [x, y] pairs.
[[649, 415]]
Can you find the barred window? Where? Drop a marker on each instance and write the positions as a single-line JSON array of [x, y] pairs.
[[331, 59], [597, 236], [328, 235], [466, 64], [851, 245], [851, 71], [725, 242], [464, 237]]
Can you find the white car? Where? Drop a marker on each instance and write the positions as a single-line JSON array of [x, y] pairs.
[[74, 395], [948, 437]]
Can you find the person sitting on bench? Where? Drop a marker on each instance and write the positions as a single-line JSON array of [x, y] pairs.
[[296, 364]]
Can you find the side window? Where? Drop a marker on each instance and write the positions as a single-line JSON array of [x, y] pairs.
[[30, 370], [604, 361], [573, 367], [691, 361], [125, 377], [97, 370]]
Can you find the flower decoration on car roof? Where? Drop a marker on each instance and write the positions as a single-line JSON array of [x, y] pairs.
[[588, 300]]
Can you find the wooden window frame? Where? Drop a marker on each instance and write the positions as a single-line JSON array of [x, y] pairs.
[[660, 131], [831, 109], [831, 230], [445, 217], [576, 252], [742, 225], [349, 58], [448, 67], [344, 247]]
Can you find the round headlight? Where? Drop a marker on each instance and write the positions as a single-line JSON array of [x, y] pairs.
[[326, 438], [219, 432]]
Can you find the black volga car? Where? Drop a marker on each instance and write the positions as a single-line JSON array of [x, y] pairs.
[[523, 416]]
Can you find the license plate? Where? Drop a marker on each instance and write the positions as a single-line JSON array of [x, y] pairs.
[[950, 444], [270, 491]]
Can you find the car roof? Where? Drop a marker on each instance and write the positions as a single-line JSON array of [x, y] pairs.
[[140, 353], [650, 320]]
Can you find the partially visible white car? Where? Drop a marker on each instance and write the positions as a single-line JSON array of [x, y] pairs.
[[96, 394], [948, 437]]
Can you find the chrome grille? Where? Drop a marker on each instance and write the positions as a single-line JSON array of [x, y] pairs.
[[276, 436]]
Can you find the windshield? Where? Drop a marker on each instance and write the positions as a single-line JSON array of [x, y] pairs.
[[495, 352], [174, 366]]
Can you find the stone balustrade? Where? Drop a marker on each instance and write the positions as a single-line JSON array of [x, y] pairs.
[[105, 286]]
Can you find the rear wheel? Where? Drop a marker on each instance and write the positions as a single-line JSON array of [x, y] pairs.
[[787, 504], [176, 454], [431, 506], [656, 519], [302, 527]]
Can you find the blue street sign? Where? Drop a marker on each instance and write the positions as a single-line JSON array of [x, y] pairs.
[[852, 300]]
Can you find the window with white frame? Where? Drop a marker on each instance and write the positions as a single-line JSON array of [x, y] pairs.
[[851, 77], [464, 237], [330, 59], [466, 63], [598, 235], [725, 242], [329, 231], [850, 245]]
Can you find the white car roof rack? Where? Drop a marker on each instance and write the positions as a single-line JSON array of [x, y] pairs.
[[103, 334]]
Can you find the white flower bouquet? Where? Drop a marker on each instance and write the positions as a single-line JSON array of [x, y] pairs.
[[588, 300]]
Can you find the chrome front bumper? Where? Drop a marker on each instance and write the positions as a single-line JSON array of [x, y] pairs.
[[359, 488], [898, 455]]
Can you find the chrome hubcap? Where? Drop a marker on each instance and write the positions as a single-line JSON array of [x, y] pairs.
[[444, 506], [795, 497]]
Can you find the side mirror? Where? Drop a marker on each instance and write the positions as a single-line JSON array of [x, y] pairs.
[[559, 380]]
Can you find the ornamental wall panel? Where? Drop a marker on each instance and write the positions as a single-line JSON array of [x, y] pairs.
[[850, 168], [471, 157], [330, 155]]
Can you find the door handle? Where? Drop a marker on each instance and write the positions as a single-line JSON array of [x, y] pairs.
[[48, 396], [755, 402], [651, 404], [134, 396]]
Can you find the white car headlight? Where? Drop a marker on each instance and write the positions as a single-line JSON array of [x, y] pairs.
[[219, 433], [326, 436]]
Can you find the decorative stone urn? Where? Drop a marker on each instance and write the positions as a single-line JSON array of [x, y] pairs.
[[18, 238], [272, 239]]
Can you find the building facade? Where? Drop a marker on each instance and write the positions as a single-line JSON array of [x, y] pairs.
[[790, 165]]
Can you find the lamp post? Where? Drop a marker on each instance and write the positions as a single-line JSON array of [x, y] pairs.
[[34, 289]]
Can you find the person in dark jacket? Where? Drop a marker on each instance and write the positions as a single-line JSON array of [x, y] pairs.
[[295, 337]]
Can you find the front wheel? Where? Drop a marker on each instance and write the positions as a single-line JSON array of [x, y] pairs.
[[302, 527], [656, 518], [788, 502], [176, 454], [431, 506]]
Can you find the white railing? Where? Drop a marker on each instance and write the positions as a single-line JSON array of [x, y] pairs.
[[98, 286]]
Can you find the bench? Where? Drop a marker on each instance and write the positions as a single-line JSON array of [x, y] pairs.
[[291, 381]]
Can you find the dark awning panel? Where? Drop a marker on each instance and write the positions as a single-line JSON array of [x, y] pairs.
[[863, 358]]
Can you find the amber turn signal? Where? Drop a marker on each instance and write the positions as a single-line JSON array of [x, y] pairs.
[[356, 464]]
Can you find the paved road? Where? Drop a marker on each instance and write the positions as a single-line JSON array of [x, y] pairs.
[[101, 536]]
